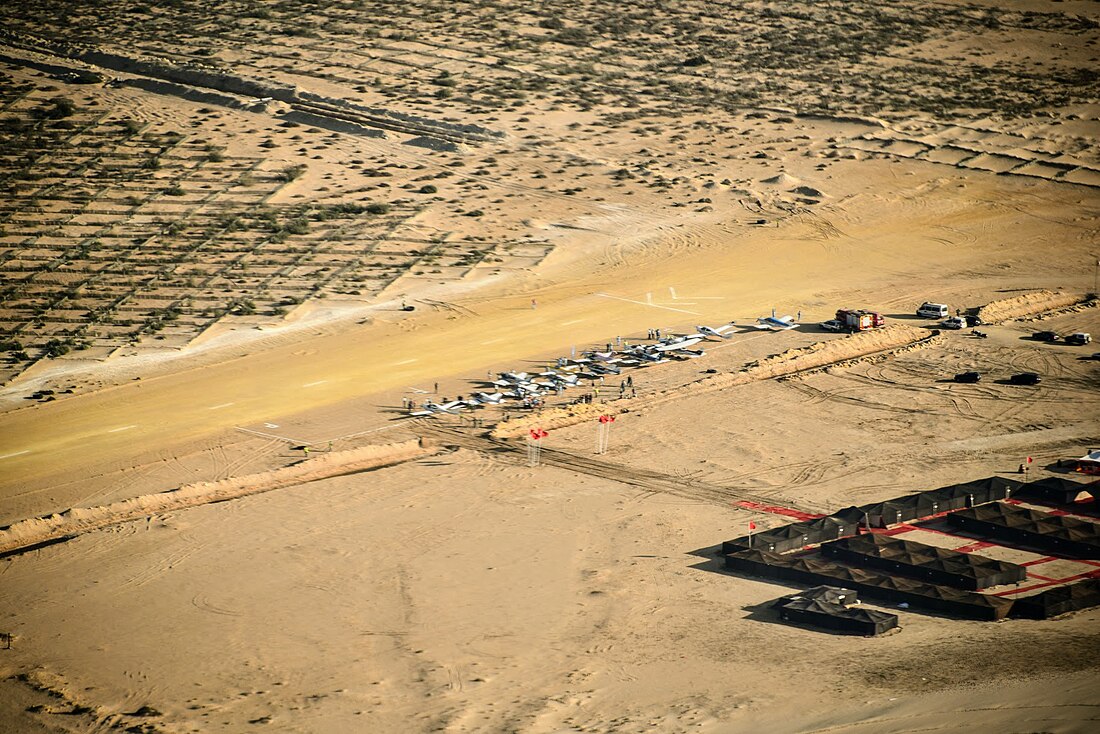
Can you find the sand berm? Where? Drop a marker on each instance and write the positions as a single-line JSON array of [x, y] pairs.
[[40, 530]]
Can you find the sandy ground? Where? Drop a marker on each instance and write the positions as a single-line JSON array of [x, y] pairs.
[[469, 592], [464, 591]]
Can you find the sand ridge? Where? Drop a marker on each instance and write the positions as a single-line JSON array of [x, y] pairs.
[[65, 525]]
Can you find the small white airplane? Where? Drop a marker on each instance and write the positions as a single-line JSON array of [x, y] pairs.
[[432, 408], [652, 356], [676, 343], [775, 323], [718, 332], [486, 398], [687, 354], [565, 380]]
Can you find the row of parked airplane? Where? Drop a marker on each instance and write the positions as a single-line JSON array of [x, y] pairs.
[[594, 365]]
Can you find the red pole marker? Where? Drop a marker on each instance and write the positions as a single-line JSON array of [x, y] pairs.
[[534, 448], [602, 431]]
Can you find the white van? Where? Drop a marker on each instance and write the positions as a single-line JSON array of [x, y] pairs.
[[932, 310]]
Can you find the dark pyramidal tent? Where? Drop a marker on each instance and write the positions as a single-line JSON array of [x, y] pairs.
[[1056, 490], [983, 491], [820, 613], [1059, 600], [1059, 534], [925, 562], [830, 594]]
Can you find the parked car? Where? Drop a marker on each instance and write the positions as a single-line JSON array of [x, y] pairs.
[[953, 323], [1078, 339], [933, 310], [1025, 378], [1045, 336], [968, 377], [973, 320], [832, 325]]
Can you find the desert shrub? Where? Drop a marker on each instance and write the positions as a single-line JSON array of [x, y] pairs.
[[291, 172], [56, 109], [378, 208], [573, 37], [243, 306], [55, 348], [297, 226]]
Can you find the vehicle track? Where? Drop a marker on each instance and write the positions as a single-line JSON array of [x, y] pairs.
[[651, 481], [819, 396]]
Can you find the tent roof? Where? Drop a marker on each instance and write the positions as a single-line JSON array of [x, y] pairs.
[[831, 594]]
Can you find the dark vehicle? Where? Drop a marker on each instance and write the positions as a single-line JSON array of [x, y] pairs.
[[1025, 378], [968, 377], [1078, 339], [1045, 336], [973, 320]]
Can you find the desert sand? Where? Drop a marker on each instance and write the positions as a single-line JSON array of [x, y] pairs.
[[205, 260]]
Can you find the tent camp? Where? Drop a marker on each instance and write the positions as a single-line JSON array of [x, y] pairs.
[[925, 562], [1059, 534]]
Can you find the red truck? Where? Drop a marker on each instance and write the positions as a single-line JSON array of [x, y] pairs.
[[860, 320]]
